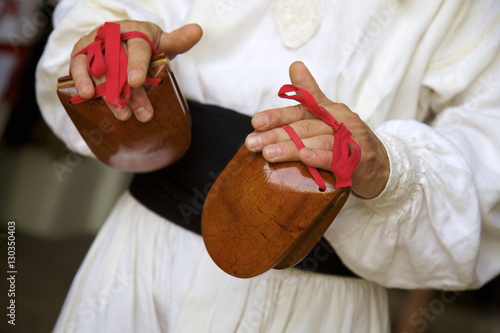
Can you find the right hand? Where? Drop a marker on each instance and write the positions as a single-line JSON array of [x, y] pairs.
[[139, 55], [372, 173]]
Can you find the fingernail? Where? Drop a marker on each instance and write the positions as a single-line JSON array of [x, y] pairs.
[[143, 114], [254, 141], [261, 120], [132, 76], [272, 151], [121, 114], [83, 89]]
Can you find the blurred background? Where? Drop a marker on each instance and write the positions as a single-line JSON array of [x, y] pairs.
[[59, 200]]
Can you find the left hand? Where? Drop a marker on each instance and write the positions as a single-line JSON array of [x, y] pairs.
[[139, 55], [372, 173]]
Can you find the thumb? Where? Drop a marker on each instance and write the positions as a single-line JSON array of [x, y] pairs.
[[180, 40], [302, 78]]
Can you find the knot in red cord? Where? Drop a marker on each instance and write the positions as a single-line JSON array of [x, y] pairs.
[[346, 152], [106, 55]]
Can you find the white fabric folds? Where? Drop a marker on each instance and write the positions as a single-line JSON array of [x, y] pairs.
[[424, 75], [144, 274]]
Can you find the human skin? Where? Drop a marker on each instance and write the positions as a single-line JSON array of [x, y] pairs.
[[369, 178], [371, 175], [139, 54]]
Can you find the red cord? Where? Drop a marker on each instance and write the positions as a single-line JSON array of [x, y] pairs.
[[344, 161], [299, 144], [106, 55]]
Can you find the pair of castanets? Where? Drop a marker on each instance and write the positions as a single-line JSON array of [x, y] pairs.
[[257, 215]]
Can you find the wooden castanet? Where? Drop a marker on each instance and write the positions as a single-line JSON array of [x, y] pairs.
[[131, 145], [261, 215]]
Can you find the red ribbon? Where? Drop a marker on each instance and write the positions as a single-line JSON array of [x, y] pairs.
[[299, 144], [106, 55], [346, 153]]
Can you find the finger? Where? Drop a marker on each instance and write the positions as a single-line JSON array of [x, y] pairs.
[[81, 78], [121, 114], [316, 158], [139, 55], [288, 151], [78, 68], [285, 151], [304, 129], [180, 40], [302, 77], [140, 105], [274, 118]]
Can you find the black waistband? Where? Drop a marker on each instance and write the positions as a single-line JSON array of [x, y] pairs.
[[178, 191]]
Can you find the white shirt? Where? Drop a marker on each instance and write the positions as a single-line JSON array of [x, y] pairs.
[[423, 74]]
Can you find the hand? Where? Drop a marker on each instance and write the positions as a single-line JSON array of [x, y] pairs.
[[372, 173], [139, 54]]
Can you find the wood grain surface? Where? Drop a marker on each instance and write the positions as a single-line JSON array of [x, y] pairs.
[[261, 215]]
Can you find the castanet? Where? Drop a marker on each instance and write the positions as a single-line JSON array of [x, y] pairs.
[[132, 145], [260, 215]]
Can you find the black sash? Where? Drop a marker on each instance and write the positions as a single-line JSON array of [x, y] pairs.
[[178, 192]]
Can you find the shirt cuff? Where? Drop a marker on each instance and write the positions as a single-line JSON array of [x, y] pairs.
[[403, 179]]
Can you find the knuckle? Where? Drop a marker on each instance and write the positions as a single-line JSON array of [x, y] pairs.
[[368, 160], [341, 107], [133, 25], [326, 142], [272, 136], [306, 128], [80, 44], [135, 46], [150, 29], [299, 111], [355, 123]]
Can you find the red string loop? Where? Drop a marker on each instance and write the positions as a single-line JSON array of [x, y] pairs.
[[299, 144], [346, 152], [106, 55]]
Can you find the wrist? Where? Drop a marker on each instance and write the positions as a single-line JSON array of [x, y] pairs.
[[402, 178], [372, 175]]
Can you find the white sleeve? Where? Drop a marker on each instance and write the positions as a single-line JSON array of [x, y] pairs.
[[72, 20], [437, 223]]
